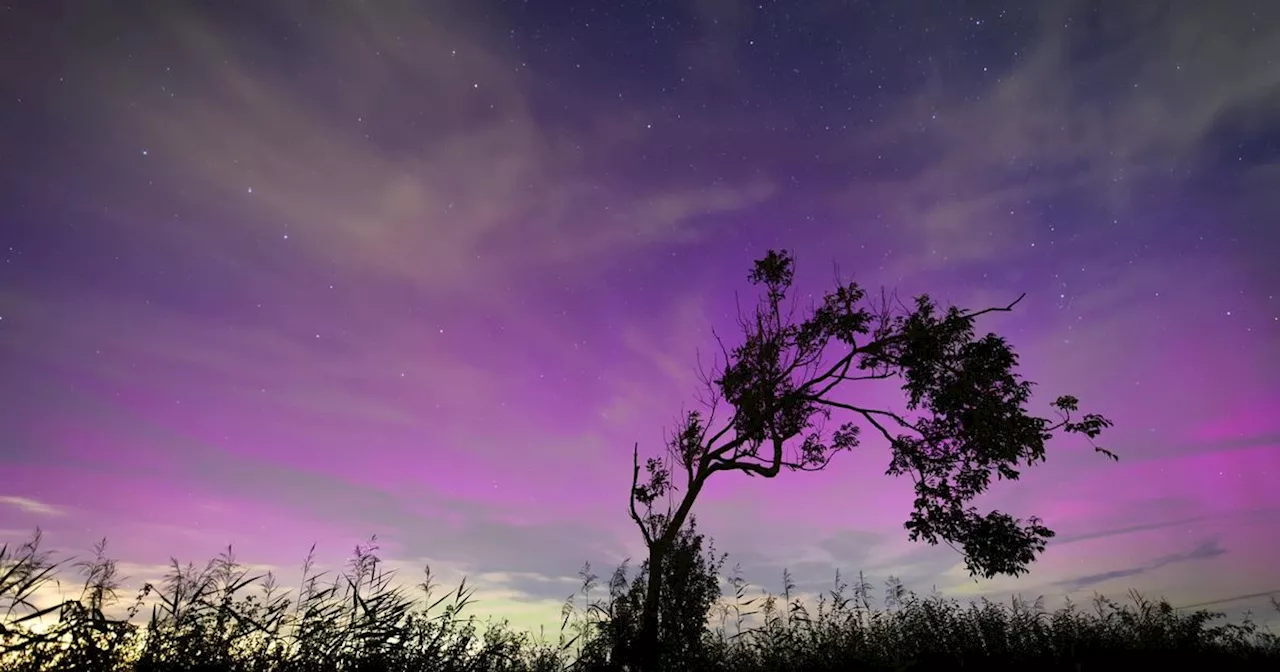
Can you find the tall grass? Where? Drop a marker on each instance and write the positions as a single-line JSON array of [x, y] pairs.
[[224, 617]]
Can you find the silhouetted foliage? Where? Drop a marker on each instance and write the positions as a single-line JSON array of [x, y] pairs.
[[690, 587], [967, 419], [213, 619]]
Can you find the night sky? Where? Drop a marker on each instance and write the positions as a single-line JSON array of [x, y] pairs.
[[276, 273]]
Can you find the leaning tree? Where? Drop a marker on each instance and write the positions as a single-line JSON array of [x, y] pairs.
[[965, 421]]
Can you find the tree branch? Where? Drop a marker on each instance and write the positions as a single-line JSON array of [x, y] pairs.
[[635, 483], [759, 469], [869, 415]]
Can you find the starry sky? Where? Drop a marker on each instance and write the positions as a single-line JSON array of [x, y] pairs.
[[292, 272]]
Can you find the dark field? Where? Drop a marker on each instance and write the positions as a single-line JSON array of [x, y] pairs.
[[222, 618]]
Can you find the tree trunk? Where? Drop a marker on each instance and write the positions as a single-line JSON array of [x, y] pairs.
[[647, 644]]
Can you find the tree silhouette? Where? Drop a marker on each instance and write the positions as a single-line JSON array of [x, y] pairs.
[[966, 420], [690, 586]]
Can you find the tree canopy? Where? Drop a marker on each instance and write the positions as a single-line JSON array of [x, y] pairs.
[[771, 403]]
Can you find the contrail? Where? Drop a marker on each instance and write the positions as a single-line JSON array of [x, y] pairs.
[[1230, 599]]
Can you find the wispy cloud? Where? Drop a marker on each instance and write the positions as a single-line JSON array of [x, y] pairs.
[[395, 285], [32, 506], [1204, 551], [462, 179], [1080, 113]]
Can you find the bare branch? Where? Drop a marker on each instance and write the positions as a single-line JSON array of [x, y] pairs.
[[1005, 309], [869, 414], [635, 483]]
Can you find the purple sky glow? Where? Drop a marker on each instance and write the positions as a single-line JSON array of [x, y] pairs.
[[272, 274]]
